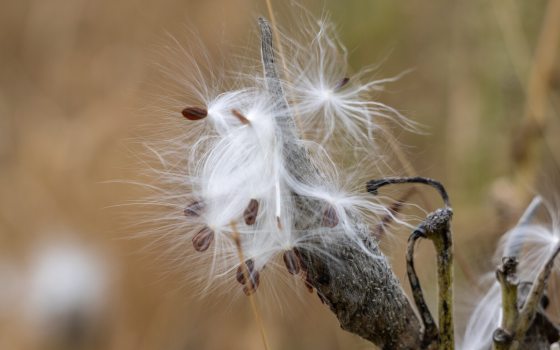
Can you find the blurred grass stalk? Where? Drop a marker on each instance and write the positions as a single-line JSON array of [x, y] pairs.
[[527, 143]]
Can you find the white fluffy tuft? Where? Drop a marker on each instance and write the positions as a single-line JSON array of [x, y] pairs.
[[532, 243], [217, 167]]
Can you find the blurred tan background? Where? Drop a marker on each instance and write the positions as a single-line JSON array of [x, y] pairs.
[[76, 79]]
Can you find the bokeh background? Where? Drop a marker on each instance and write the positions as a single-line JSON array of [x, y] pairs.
[[77, 83]]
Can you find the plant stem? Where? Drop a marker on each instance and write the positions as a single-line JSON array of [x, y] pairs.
[[436, 227], [431, 333], [374, 185], [529, 310], [507, 277], [441, 237], [364, 293]]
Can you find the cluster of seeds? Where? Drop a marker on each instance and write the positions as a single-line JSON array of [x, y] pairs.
[[230, 164]]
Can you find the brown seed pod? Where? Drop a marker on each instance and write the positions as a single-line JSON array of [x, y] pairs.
[[194, 209], [194, 113], [250, 213], [341, 83], [330, 217], [202, 240], [291, 261]]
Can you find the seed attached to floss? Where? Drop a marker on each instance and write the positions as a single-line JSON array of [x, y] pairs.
[[278, 223], [252, 287], [250, 266], [194, 113], [341, 83], [241, 117], [194, 209], [292, 262], [307, 283], [250, 213], [203, 239], [330, 217], [254, 277]]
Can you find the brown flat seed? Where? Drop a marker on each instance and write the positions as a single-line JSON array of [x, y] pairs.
[[240, 274], [250, 213], [292, 262], [341, 83], [330, 217], [254, 277], [278, 223], [251, 288], [240, 116], [194, 113], [202, 240], [194, 209]]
